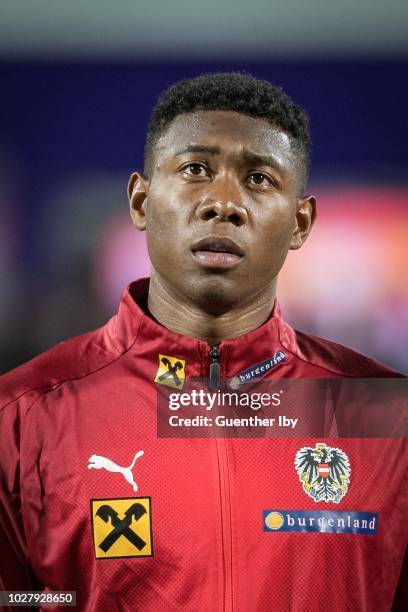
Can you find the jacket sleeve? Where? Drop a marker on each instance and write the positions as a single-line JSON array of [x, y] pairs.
[[15, 570]]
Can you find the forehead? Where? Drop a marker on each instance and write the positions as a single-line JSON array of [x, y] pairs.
[[228, 130]]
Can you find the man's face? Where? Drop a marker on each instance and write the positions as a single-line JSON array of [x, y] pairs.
[[222, 207]]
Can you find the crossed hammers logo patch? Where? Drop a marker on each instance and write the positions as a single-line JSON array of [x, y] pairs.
[[171, 372], [122, 527]]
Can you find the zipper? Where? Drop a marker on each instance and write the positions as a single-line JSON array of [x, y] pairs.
[[225, 490], [226, 526], [214, 378]]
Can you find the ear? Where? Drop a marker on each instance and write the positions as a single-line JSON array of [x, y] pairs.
[[305, 217], [138, 189]]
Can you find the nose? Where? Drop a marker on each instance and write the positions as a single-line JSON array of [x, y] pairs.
[[223, 202]]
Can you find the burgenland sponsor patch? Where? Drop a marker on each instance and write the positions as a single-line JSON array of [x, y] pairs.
[[324, 521], [257, 370]]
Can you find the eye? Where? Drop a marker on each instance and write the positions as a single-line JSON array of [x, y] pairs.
[[196, 169], [259, 178]]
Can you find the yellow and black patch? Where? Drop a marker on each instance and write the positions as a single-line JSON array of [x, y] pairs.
[[122, 527], [171, 372]]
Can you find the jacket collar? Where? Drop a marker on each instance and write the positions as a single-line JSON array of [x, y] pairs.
[[134, 330]]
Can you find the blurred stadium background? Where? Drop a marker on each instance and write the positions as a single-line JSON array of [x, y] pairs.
[[78, 80]]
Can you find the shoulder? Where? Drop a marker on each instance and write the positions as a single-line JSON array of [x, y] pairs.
[[69, 360], [340, 360]]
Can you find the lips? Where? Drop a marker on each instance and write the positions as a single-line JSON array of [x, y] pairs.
[[217, 252]]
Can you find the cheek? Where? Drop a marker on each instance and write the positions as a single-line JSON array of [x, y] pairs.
[[157, 235], [276, 221], [164, 225], [273, 236]]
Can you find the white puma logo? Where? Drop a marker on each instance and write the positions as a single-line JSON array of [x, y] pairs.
[[97, 462]]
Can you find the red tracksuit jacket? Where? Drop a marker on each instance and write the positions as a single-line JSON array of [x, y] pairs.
[[93, 501]]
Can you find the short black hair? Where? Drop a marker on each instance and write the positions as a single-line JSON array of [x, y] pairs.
[[230, 91]]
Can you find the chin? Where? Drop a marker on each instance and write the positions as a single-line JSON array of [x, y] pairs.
[[215, 295]]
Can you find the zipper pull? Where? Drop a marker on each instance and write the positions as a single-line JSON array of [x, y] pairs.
[[214, 380]]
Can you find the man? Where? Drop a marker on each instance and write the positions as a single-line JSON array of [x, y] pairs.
[[93, 501]]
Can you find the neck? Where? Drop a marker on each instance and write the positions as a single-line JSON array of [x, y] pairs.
[[188, 319]]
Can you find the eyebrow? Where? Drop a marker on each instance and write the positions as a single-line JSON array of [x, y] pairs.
[[200, 149], [249, 158], [254, 159]]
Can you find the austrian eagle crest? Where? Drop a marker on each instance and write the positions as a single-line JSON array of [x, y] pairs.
[[324, 472]]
